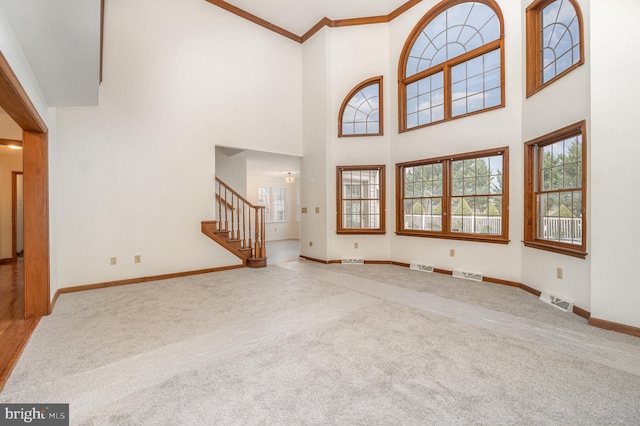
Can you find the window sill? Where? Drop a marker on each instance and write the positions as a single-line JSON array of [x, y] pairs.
[[361, 232], [465, 237], [556, 249]]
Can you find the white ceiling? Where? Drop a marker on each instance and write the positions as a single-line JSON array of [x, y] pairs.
[[61, 41], [298, 16], [261, 163]]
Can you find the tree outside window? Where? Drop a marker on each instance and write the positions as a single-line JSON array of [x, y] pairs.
[[555, 191], [459, 197]]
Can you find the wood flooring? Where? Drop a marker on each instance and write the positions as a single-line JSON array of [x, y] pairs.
[[14, 329]]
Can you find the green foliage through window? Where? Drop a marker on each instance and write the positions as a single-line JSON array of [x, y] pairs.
[[470, 186]]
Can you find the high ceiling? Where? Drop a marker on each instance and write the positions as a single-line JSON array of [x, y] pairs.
[[61, 38], [298, 16], [61, 41]]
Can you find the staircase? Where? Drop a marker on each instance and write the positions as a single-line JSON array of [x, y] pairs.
[[239, 227]]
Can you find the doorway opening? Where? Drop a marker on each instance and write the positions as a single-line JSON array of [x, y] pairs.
[[36, 300]]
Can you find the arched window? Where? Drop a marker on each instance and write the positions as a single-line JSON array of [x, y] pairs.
[[554, 41], [361, 111], [451, 64]]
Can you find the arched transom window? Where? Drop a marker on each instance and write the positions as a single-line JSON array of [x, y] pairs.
[[554, 41], [451, 64], [361, 111]]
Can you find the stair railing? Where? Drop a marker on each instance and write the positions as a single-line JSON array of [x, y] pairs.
[[239, 217]]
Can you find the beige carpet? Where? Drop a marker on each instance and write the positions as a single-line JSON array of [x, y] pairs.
[[304, 343]]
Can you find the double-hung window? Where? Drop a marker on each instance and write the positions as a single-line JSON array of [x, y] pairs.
[[458, 197], [360, 199], [555, 191]]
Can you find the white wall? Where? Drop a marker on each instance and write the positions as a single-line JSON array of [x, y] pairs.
[[135, 175], [615, 293], [359, 53], [314, 189], [560, 104], [232, 170]]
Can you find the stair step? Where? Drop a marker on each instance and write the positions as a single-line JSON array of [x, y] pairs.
[[259, 262]]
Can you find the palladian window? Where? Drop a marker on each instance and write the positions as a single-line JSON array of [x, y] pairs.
[[452, 64]]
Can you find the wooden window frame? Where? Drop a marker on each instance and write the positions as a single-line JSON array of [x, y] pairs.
[[534, 46], [531, 170], [381, 199], [446, 232], [446, 66], [352, 93]]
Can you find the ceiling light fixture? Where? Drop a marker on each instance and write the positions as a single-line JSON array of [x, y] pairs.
[[289, 179]]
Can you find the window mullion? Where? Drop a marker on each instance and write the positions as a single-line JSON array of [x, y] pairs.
[[447, 92], [446, 197]]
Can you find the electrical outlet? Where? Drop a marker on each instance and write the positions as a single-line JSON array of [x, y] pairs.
[[137, 258], [310, 243], [355, 245], [317, 210], [114, 260], [452, 252], [559, 273]]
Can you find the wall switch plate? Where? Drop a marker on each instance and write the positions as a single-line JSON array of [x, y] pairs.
[[137, 258], [452, 252], [559, 273], [114, 260], [355, 245]]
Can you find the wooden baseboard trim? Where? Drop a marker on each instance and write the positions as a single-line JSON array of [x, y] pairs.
[[443, 271], [145, 279], [581, 312], [23, 335], [501, 282], [378, 262], [313, 259], [402, 264], [7, 260], [614, 326], [52, 304], [528, 289]]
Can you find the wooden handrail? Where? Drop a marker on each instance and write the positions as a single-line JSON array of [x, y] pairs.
[[243, 220], [235, 193]]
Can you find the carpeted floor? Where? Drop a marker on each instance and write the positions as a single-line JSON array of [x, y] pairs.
[[305, 343]]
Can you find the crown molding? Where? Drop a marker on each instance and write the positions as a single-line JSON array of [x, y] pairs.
[[324, 22]]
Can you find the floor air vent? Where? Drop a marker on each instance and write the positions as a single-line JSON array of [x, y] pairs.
[[353, 261], [421, 267], [558, 302], [466, 275]]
